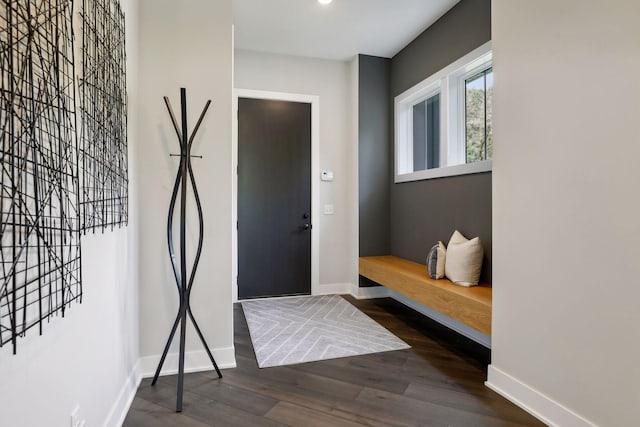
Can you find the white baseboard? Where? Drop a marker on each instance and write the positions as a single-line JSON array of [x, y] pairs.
[[369, 292], [537, 404], [333, 288], [447, 321], [120, 407], [194, 361]]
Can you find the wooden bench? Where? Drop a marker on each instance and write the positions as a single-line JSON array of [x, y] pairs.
[[471, 306]]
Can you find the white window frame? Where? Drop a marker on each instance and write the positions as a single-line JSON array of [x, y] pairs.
[[404, 152], [450, 83]]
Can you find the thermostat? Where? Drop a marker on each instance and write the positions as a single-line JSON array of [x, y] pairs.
[[326, 176]]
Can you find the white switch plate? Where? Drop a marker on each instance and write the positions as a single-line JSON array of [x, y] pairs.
[[326, 175], [328, 209]]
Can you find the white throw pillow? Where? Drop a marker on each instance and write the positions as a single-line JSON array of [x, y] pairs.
[[464, 260], [436, 260]]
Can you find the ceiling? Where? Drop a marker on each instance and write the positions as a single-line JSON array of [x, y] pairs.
[[336, 31]]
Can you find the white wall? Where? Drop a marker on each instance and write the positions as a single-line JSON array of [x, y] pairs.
[[354, 164], [332, 82], [566, 318], [185, 44], [88, 359]]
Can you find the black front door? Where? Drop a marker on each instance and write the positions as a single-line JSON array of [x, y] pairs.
[[274, 198]]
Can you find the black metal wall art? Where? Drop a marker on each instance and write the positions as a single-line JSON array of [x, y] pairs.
[[61, 172], [184, 280], [39, 218], [103, 112]]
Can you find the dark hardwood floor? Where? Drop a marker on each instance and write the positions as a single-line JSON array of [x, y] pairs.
[[438, 382]]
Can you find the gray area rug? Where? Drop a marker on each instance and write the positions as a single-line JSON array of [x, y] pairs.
[[287, 331]]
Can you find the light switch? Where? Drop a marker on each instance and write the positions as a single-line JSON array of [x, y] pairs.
[[328, 209], [326, 175]]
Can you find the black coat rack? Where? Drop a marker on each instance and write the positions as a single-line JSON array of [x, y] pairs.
[[180, 272]]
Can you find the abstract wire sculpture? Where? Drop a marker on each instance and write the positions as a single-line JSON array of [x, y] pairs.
[[103, 113], [39, 218], [180, 270]]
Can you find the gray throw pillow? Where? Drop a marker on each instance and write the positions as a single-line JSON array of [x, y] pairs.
[[436, 261]]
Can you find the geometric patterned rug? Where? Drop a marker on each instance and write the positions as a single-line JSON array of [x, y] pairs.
[[288, 331]]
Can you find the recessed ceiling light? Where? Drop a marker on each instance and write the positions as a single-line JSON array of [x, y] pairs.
[[324, 1]]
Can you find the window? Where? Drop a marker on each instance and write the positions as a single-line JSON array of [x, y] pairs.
[[477, 101], [443, 124], [426, 134]]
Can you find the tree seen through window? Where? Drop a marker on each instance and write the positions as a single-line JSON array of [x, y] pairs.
[[478, 114]]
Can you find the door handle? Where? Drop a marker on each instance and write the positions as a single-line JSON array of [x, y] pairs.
[[306, 226]]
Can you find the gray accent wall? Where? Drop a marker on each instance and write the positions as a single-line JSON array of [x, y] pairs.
[[373, 157], [423, 212], [463, 28], [373, 154]]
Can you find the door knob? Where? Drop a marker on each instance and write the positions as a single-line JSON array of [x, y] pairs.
[[305, 215], [306, 226]]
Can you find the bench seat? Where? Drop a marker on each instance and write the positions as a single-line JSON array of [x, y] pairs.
[[471, 306]]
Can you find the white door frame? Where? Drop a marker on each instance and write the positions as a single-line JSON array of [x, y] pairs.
[[314, 100]]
